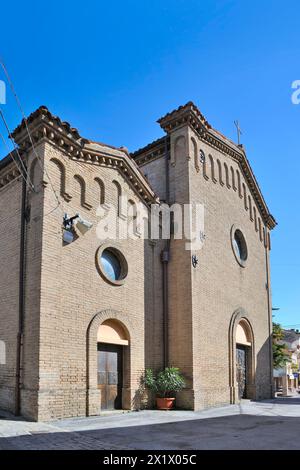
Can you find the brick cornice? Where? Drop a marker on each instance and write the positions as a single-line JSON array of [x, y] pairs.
[[151, 152], [8, 174], [190, 115], [44, 127]]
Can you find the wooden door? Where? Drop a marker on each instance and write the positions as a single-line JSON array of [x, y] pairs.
[[110, 365], [241, 370]]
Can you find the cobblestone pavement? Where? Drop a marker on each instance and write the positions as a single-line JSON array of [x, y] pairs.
[[272, 424]]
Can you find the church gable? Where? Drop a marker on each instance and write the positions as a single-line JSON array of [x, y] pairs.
[[234, 172], [190, 115], [44, 127]]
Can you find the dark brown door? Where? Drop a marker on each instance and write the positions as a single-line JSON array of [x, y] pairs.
[[241, 371], [110, 365]]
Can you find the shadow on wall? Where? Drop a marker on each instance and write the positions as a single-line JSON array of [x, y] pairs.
[[264, 374], [153, 301], [140, 400]]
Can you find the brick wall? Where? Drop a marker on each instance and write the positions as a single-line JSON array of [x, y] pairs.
[[73, 292], [67, 299], [10, 217], [204, 299]]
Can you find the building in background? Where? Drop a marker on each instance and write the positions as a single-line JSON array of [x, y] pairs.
[[287, 378]]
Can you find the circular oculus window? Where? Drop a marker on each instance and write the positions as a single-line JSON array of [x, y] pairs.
[[111, 264], [239, 246]]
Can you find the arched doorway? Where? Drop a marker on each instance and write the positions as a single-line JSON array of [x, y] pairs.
[[241, 358], [112, 356]]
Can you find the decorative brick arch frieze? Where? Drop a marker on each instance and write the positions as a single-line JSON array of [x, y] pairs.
[[195, 154], [117, 201], [250, 205], [227, 176], [233, 180], [83, 192], [234, 187], [179, 149], [36, 174], [93, 394], [101, 187], [33, 173], [62, 177], [220, 173], [239, 184], [245, 197], [241, 315], [212, 169]]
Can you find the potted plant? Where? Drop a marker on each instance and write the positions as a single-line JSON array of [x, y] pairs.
[[165, 385]]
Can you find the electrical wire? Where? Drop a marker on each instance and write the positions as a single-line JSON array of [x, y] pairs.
[[8, 184], [12, 157], [24, 172], [43, 166]]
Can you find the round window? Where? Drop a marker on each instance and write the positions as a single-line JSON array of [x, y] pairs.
[[239, 246], [111, 264]]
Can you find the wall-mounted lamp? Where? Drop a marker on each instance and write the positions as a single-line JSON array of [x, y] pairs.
[[83, 225], [68, 236], [68, 227]]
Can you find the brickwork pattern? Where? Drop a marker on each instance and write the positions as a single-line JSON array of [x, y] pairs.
[[67, 299]]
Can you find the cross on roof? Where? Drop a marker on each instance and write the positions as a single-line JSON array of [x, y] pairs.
[[239, 131]]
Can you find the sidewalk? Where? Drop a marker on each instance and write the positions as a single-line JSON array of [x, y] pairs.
[[270, 424]]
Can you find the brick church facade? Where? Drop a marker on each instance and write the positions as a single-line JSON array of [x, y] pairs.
[[80, 321]]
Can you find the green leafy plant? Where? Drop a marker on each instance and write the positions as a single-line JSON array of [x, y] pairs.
[[166, 383], [280, 352]]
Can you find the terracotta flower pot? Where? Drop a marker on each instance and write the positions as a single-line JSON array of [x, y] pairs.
[[165, 403]]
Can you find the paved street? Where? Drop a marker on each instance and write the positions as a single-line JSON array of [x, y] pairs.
[[273, 424]]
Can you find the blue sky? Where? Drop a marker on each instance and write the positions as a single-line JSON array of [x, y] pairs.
[[113, 68]]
